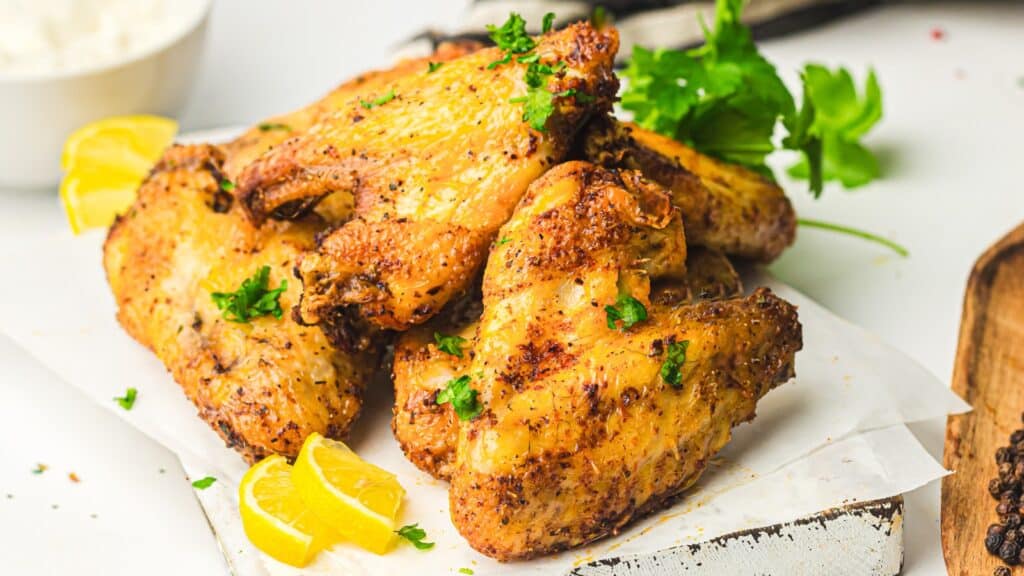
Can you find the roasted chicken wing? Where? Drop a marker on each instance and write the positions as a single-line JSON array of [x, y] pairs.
[[264, 385], [725, 206], [585, 426], [436, 162]]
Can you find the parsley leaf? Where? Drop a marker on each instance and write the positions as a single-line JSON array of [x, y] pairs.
[[627, 309], [547, 22], [268, 126], [379, 101], [839, 119], [413, 533], [468, 571], [128, 400], [671, 368], [725, 99], [204, 483], [462, 398], [433, 66], [503, 241], [227, 185], [511, 36], [252, 299], [449, 344]]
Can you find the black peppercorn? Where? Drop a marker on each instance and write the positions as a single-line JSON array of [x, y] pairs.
[[1012, 536], [1005, 471], [993, 541], [1009, 552], [1012, 520], [995, 488], [1003, 509], [1001, 571], [1003, 455]]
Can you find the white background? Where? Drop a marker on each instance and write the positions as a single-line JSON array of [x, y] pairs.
[[951, 146]]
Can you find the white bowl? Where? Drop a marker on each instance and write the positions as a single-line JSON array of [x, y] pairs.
[[39, 111]]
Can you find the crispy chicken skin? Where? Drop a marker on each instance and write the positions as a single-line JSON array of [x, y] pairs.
[[427, 432], [262, 386], [532, 474], [724, 206], [435, 171], [261, 138]]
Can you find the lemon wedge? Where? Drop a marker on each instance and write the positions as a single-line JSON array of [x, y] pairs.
[[104, 163], [274, 517], [356, 499]]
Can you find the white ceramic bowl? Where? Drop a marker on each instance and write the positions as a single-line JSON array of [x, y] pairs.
[[38, 111]]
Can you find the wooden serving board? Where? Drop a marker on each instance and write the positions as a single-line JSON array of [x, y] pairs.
[[989, 375]]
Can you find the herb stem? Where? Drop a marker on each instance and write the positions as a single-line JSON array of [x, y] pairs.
[[897, 248]]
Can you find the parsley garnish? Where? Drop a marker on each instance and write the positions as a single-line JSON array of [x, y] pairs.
[[547, 22], [468, 571], [449, 344], [269, 126], [128, 400], [462, 398], [204, 483], [897, 248], [725, 99], [504, 241], [433, 66], [39, 469], [378, 101], [252, 299], [227, 185], [627, 309], [671, 369], [511, 36], [413, 533]]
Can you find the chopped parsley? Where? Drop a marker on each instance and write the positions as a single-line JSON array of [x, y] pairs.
[[433, 66], [449, 344], [628, 310], [128, 400], [413, 533], [462, 398], [252, 299], [725, 99], [271, 126], [40, 468], [379, 101], [468, 571], [511, 36], [227, 185], [504, 240], [547, 23], [204, 483], [671, 369]]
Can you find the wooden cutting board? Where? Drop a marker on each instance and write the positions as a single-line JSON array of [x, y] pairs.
[[989, 374]]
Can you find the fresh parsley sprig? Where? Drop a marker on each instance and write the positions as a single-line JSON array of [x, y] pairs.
[[252, 299], [462, 397], [725, 99], [671, 368], [627, 310], [415, 535], [449, 344]]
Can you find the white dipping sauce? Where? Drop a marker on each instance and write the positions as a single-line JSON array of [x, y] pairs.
[[40, 36]]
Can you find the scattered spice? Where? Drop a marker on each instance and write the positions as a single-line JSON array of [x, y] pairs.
[[74, 477], [1005, 539], [938, 34], [40, 468]]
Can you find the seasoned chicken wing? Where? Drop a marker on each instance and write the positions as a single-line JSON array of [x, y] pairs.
[[264, 385], [724, 206], [583, 426], [436, 162]]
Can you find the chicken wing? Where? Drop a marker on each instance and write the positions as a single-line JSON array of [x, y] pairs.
[[584, 427], [724, 206], [436, 163], [261, 138], [265, 385], [427, 431]]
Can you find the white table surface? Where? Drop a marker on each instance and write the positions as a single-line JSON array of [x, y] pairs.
[[950, 144]]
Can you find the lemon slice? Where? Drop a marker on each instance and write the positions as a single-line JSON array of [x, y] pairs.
[[275, 518], [104, 163], [355, 498]]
